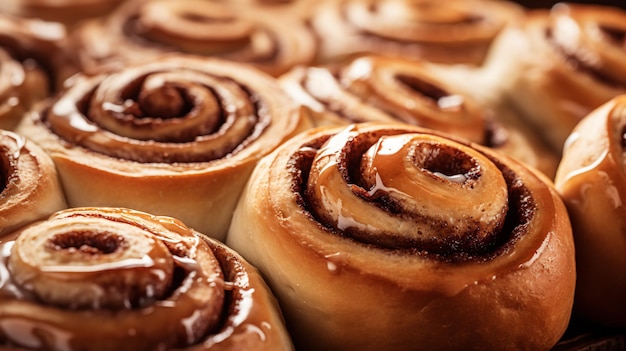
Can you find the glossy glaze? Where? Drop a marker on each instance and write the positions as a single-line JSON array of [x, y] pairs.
[[64, 276], [591, 180], [332, 231], [375, 88]]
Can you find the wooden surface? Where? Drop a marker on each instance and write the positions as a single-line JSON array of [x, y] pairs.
[[586, 337]]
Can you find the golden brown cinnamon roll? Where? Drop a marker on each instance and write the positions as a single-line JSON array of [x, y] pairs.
[[118, 279], [141, 30], [66, 12], [384, 89], [561, 64], [392, 237], [456, 31], [176, 137], [29, 186], [592, 183], [32, 65]]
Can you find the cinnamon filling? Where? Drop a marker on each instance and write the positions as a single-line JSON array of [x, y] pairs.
[[434, 93], [6, 170], [445, 163], [138, 118], [33, 57], [616, 35], [576, 63], [202, 307], [198, 18], [136, 33], [87, 242], [496, 134], [167, 102]]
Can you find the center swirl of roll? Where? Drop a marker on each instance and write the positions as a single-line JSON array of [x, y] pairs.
[[158, 114], [124, 271], [414, 191]]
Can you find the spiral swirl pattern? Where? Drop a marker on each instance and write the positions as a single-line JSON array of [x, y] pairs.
[[562, 64], [382, 89], [593, 41], [117, 279], [163, 134], [166, 113], [174, 111], [371, 186], [432, 231], [450, 32], [141, 30], [377, 88]]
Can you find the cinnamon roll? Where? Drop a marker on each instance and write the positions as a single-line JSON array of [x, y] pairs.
[[118, 279], [29, 186], [392, 237], [32, 65], [141, 30], [591, 180], [451, 32], [177, 137], [561, 64], [385, 89], [66, 12]]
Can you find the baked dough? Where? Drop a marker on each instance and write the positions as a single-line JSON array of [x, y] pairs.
[[119, 279], [141, 30], [451, 32], [375, 88], [30, 189], [392, 237], [590, 179], [560, 65], [176, 137]]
